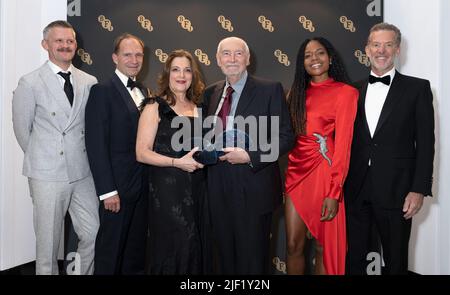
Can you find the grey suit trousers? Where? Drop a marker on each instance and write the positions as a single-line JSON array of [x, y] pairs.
[[51, 201]]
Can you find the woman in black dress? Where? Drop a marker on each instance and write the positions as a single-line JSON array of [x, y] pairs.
[[178, 212]]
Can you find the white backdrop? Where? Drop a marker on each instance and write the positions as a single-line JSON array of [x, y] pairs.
[[21, 24], [424, 54]]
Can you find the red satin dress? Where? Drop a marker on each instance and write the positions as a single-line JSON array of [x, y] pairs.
[[313, 175]]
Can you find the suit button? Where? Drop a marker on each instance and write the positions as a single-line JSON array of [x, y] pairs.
[[53, 114], [375, 144], [61, 153], [63, 134], [84, 150]]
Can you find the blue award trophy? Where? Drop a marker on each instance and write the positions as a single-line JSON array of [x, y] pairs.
[[210, 153]]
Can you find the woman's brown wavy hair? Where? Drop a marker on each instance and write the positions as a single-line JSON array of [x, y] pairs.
[[194, 92]]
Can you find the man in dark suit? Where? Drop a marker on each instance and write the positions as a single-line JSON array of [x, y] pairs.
[[392, 155], [245, 186], [111, 126]]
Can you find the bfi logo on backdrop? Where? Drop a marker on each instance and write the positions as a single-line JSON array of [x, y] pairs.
[[225, 23], [282, 58], [362, 58], [202, 57], [307, 23], [106, 23], [185, 23], [279, 265], [161, 55], [347, 23], [266, 23], [85, 56], [146, 24]]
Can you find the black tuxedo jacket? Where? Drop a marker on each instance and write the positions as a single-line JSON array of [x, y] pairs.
[[402, 148], [111, 127], [261, 182]]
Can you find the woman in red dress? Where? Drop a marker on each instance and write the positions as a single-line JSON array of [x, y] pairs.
[[323, 108]]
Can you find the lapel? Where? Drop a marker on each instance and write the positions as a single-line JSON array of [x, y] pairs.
[[78, 97], [215, 98], [247, 96], [392, 99], [57, 93], [126, 98], [362, 107], [145, 91]]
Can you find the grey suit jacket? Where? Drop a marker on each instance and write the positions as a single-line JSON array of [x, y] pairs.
[[48, 129]]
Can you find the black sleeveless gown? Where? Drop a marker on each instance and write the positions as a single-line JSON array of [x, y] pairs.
[[178, 214]]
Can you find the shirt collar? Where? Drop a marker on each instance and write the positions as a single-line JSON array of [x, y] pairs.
[[56, 69], [239, 85], [123, 77], [390, 73]]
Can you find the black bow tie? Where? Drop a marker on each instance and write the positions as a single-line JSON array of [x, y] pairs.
[[385, 80], [133, 84]]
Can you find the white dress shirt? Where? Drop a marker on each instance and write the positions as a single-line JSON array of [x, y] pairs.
[[375, 98], [135, 94], [56, 69]]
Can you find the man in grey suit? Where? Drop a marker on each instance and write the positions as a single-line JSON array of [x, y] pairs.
[[48, 119]]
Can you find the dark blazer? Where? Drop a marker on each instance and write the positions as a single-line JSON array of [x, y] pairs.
[[111, 128], [402, 148], [261, 182]]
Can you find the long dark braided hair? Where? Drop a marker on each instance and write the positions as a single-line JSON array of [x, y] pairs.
[[297, 93]]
